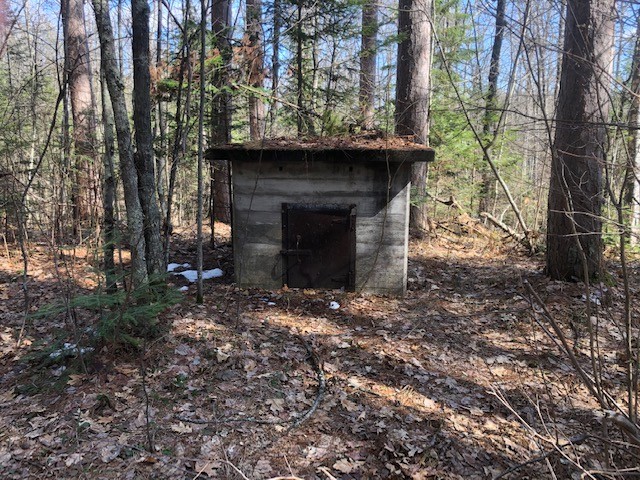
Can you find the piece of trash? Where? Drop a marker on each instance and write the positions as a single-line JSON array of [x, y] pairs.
[[271, 304], [69, 349], [183, 289], [593, 297], [334, 305], [192, 275], [172, 266]]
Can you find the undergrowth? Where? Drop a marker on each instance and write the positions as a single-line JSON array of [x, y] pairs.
[[125, 318]]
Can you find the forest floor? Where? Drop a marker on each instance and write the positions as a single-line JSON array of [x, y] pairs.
[[456, 380]]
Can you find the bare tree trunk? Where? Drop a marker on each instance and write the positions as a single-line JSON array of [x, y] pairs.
[[203, 52], [78, 69], [144, 160], [412, 92], [182, 118], [109, 191], [275, 62], [221, 111], [574, 226], [255, 67], [302, 129], [135, 218], [368, 63], [490, 115], [633, 144], [160, 123]]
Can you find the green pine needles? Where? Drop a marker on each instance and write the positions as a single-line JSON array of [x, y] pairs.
[[125, 318]]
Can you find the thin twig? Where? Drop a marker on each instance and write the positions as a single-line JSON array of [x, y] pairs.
[[577, 440], [295, 421], [565, 345]]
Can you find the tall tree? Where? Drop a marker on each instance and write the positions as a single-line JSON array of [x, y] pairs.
[[490, 116], [633, 145], [221, 108], [574, 225], [144, 158], [108, 190], [201, 110], [115, 84], [160, 126], [368, 63], [275, 61], [85, 190], [412, 91], [255, 67]]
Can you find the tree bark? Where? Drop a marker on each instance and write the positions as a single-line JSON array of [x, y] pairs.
[[275, 62], [108, 191], [490, 115], [201, 110], [255, 67], [85, 190], [412, 92], [182, 120], [135, 218], [221, 110], [368, 63], [160, 124], [633, 144], [144, 158], [574, 227], [300, 124]]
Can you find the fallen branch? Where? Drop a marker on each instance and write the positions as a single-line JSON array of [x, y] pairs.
[[544, 311], [577, 440], [322, 385], [630, 429], [451, 202], [522, 238]]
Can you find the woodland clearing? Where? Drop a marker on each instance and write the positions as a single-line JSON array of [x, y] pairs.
[[456, 380]]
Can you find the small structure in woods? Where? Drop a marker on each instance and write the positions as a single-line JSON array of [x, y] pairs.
[[327, 214]]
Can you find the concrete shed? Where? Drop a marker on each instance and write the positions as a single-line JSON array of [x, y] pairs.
[[328, 215]]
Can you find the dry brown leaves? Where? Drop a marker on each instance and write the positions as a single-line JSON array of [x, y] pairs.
[[410, 381]]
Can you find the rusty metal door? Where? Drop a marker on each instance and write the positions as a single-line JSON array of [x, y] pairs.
[[319, 245]]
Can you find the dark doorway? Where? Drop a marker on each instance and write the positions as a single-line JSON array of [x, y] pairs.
[[319, 244]]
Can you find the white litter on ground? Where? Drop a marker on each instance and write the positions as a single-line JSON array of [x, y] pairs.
[[172, 266], [183, 289], [334, 305], [192, 275], [69, 349]]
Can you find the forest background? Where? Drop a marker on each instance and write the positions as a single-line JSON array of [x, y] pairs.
[[274, 68]]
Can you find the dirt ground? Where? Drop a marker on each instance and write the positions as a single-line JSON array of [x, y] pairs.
[[456, 380]]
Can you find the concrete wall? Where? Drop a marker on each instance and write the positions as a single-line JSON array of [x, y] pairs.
[[380, 192]]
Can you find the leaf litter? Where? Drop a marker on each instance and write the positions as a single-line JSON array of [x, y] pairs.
[[410, 383]]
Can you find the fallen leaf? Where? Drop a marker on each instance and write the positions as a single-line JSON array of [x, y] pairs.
[[276, 404], [262, 468], [73, 459], [109, 453], [181, 428], [346, 465], [76, 379]]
